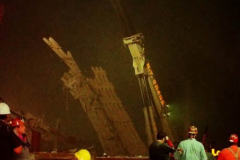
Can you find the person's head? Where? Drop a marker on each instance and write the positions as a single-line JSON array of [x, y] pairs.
[[192, 132], [233, 139], [19, 125], [4, 111], [161, 135]]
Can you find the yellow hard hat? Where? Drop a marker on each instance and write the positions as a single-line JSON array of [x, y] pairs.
[[83, 154]]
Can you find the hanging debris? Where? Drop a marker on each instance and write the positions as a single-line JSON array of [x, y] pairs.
[[98, 98]]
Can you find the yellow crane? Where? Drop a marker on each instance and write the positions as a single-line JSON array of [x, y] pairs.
[[154, 106]]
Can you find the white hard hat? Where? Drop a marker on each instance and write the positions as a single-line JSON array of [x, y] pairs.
[[4, 109]]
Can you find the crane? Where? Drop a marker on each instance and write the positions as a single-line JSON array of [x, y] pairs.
[[154, 106]]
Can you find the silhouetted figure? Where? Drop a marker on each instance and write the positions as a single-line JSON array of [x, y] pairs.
[[209, 153], [9, 142], [159, 150]]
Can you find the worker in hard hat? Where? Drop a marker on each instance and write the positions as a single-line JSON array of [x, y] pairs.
[[233, 151], [19, 129], [9, 142], [190, 148], [82, 154]]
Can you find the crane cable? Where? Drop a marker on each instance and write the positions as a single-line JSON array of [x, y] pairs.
[[144, 91], [141, 89]]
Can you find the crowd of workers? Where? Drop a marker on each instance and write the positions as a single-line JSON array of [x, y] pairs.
[[190, 149], [14, 144]]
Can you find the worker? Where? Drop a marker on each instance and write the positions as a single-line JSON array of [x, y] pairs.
[[159, 150], [9, 142], [19, 129], [209, 153], [232, 152], [191, 149]]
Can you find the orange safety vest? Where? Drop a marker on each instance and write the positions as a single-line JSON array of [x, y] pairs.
[[235, 154]]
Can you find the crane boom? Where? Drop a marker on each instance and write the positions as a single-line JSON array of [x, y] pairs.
[[148, 85], [154, 105]]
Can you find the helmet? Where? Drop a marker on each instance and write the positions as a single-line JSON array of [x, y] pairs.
[[192, 130], [17, 122], [105, 154], [233, 138], [83, 154], [4, 109]]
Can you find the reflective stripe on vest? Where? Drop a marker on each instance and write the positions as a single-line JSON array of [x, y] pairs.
[[235, 154]]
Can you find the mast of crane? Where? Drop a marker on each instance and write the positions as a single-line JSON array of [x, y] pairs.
[[153, 103]]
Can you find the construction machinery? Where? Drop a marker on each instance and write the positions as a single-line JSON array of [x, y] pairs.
[[154, 107], [104, 109]]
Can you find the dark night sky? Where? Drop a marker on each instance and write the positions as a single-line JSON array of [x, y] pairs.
[[193, 47]]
